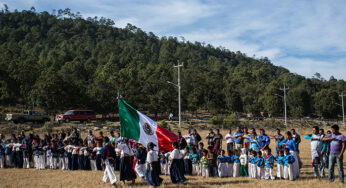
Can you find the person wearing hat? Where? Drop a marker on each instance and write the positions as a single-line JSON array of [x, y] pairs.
[[153, 166], [175, 170]]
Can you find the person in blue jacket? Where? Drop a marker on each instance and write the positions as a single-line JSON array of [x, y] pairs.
[[260, 165], [269, 161], [280, 165], [288, 165]]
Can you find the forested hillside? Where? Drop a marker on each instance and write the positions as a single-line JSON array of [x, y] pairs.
[[61, 61]]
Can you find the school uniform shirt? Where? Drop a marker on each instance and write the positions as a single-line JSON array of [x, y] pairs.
[[250, 158], [16, 147], [85, 151], [194, 158], [69, 148], [75, 150], [229, 138], [222, 159], [288, 159], [269, 161], [125, 150], [260, 161], [175, 154], [97, 150], [236, 158], [291, 144], [254, 144], [280, 160], [230, 159], [243, 159], [185, 154], [152, 156]]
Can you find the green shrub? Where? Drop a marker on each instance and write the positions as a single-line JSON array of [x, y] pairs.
[[231, 120], [216, 120], [164, 124]]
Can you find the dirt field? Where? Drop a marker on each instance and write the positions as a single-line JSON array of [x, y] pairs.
[[58, 178]]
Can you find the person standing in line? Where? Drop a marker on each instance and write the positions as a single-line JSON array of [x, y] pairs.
[[218, 140], [280, 165], [269, 165], [197, 137], [181, 141], [337, 149], [243, 163], [190, 138], [238, 135], [210, 137], [89, 139], [297, 139], [229, 140], [316, 147], [175, 171], [289, 159], [112, 137], [291, 145], [278, 138], [324, 155], [264, 140], [153, 166], [213, 172]]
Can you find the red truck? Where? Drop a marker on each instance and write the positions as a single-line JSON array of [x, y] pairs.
[[76, 115]]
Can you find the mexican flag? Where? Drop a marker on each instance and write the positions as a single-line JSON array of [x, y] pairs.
[[137, 126]]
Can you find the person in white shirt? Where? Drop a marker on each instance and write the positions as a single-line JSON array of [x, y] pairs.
[[316, 148], [229, 140], [190, 138], [176, 170], [126, 171], [153, 166]]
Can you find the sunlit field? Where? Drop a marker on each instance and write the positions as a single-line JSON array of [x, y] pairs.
[[58, 178]]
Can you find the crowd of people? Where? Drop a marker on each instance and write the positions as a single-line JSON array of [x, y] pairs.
[[247, 154]]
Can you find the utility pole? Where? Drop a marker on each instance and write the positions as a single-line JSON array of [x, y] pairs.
[[342, 107], [179, 87], [284, 89]]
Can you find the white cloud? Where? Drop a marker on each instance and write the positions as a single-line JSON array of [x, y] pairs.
[[308, 67]]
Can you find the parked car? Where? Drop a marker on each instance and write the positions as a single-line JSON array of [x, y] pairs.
[[28, 115], [76, 115]]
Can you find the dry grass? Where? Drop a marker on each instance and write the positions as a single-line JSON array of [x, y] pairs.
[[57, 178]]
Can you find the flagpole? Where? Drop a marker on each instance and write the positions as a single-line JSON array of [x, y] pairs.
[[119, 110]]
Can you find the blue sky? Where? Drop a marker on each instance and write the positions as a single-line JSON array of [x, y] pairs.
[[303, 36]]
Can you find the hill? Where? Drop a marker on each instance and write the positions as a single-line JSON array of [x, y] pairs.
[[60, 61]]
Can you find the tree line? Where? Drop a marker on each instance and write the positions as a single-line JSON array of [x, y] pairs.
[[58, 61]]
